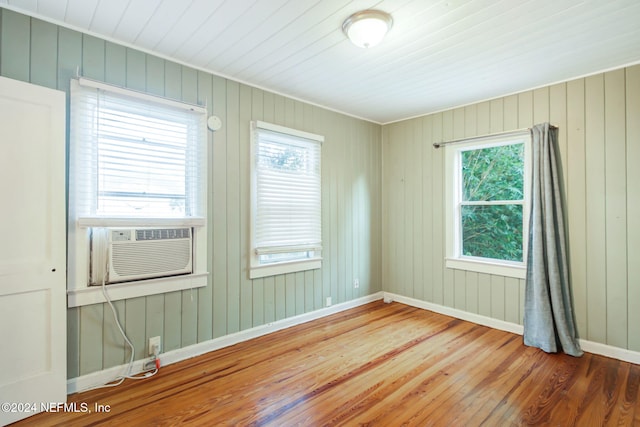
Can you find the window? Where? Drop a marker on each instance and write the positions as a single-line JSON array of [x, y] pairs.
[[136, 161], [286, 200], [487, 205]]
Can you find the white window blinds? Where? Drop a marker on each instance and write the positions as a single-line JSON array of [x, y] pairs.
[[133, 155], [287, 194]]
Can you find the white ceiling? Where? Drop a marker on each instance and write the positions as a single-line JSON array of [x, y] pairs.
[[439, 53]]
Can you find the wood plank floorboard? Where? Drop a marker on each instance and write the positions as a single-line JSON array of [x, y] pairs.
[[374, 365]]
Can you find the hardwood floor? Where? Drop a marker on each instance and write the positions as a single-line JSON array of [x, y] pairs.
[[378, 364]]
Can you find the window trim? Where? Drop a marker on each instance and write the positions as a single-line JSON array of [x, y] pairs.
[[453, 259], [256, 269], [79, 292]]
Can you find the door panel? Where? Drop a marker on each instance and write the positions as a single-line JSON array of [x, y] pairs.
[[32, 249]]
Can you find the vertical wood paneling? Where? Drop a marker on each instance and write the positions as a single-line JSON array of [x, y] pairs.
[[93, 58], [136, 70], [263, 305], [417, 214], [437, 166], [90, 338], [154, 319], [219, 214], [307, 283], [339, 291], [189, 322], [15, 45], [496, 117], [233, 207], [189, 318], [558, 117], [280, 297], [134, 327], [511, 112], [536, 110], [290, 295], [154, 75], [327, 224], [73, 341], [355, 158], [172, 80], [300, 291], [447, 134], [252, 307], [633, 204], [471, 278], [595, 209], [113, 343], [498, 297], [172, 321], [616, 208], [484, 294], [576, 200], [1, 37], [427, 210], [472, 292], [115, 64], [269, 299], [205, 295], [44, 57], [512, 300]]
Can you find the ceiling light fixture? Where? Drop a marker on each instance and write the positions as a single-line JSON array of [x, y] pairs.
[[367, 28]]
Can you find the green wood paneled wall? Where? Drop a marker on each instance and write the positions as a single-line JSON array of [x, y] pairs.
[[35, 51], [599, 124]]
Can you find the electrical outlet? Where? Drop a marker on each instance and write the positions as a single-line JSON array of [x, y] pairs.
[[155, 342], [356, 283], [328, 302]]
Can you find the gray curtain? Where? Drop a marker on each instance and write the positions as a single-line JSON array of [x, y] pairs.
[[548, 313]]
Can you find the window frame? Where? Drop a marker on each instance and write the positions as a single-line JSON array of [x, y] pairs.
[[453, 201], [256, 268], [80, 221]]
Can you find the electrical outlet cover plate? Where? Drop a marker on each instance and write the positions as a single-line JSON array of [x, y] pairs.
[[153, 342]]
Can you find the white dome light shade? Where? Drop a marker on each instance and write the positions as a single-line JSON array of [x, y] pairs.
[[367, 28]]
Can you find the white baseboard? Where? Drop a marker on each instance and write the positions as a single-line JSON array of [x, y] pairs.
[[96, 379], [454, 312], [588, 346]]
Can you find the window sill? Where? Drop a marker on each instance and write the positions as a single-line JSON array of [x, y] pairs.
[[86, 222], [283, 268], [506, 270], [119, 291]]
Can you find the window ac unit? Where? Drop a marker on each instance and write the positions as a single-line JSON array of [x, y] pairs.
[[127, 254]]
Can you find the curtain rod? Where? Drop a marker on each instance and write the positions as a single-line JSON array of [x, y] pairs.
[[491, 135]]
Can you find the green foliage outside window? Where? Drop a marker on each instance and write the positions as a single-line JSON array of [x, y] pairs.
[[492, 202]]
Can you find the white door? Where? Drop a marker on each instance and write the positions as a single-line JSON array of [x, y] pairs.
[[32, 249]]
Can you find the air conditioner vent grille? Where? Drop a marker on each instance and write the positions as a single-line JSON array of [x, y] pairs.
[[163, 233], [154, 257]]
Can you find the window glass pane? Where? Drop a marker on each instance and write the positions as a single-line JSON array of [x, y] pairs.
[[494, 173], [492, 231], [141, 165]]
